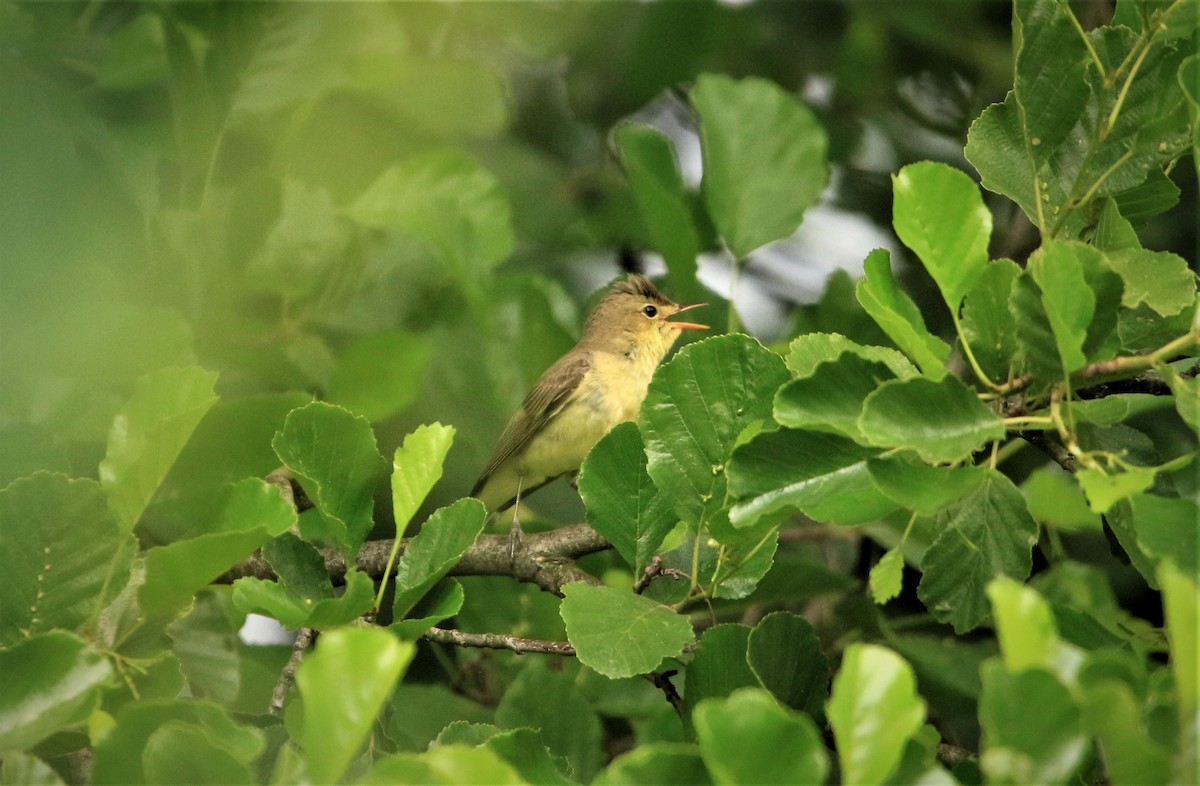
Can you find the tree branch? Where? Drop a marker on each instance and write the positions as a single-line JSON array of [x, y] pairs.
[[542, 558]]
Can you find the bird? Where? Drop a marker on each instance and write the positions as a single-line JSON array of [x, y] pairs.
[[597, 384]]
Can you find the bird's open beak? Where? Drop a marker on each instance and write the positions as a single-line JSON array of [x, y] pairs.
[[687, 325]]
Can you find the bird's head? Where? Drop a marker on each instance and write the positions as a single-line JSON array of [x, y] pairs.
[[633, 313]]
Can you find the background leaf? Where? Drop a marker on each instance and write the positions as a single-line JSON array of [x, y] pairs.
[[764, 159], [148, 435]]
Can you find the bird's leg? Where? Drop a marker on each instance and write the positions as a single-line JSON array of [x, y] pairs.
[[514, 535]]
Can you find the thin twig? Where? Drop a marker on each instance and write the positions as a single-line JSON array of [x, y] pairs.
[[287, 676], [499, 641]]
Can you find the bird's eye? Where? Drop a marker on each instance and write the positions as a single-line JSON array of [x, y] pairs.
[[650, 311]]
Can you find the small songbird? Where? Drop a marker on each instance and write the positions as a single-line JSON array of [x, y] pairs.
[[599, 383]]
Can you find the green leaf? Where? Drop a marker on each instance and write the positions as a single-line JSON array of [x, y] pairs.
[[887, 576], [1187, 399], [987, 325], [148, 434], [231, 443], [186, 753], [749, 739], [874, 710], [649, 162], [1068, 301], [1166, 529], [1054, 497], [207, 649], [764, 159], [333, 455], [1161, 280], [380, 374], [1131, 755], [831, 398], [23, 769], [430, 555], [823, 475], [939, 214], [550, 701], [1020, 746], [1024, 625], [1180, 607], [654, 764], [718, 667], [449, 765], [620, 634], [988, 533], [67, 554], [1114, 232], [345, 684], [808, 351], [622, 502], [940, 421], [899, 316], [697, 406], [1105, 489], [256, 596], [416, 467], [529, 756], [446, 200], [240, 518], [302, 246], [440, 603], [440, 708], [785, 655], [51, 683], [920, 487], [119, 753]]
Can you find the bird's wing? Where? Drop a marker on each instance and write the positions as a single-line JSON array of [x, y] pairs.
[[553, 390]]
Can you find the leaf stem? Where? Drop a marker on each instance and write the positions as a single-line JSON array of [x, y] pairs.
[[968, 354], [1087, 42], [1124, 93]]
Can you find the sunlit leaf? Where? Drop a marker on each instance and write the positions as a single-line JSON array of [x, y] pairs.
[[749, 739], [939, 214], [874, 710], [345, 683]]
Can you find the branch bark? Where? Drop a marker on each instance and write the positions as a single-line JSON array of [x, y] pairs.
[[546, 559]]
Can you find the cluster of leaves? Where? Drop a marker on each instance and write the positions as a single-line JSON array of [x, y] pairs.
[[114, 640]]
